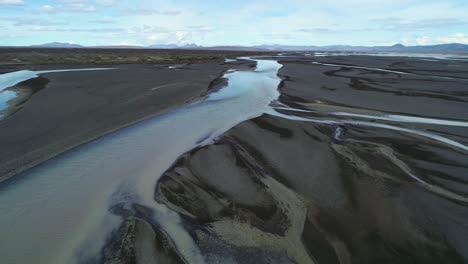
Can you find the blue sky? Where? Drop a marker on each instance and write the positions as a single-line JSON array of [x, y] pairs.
[[234, 22]]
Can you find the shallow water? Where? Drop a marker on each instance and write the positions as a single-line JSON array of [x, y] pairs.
[[6, 96]]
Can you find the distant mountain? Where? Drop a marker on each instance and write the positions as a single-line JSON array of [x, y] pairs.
[[281, 47], [163, 46], [452, 47], [397, 46], [58, 45], [116, 47], [174, 46], [190, 46], [236, 48]]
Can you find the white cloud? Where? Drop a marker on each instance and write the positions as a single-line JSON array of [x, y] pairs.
[[150, 12], [102, 20], [38, 28], [183, 36], [397, 24], [68, 6], [424, 40], [11, 2], [127, 43], [47, 8], [105, 2], [432, 40], [455, 38], [27, 21], [79, 7], [177, 37]]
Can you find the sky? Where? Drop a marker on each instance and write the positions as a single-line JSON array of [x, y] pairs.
[[233, 22]]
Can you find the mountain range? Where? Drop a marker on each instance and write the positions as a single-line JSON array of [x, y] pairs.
[[452, 47]]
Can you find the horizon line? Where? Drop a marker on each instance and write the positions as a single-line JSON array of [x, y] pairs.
[[227, 45]]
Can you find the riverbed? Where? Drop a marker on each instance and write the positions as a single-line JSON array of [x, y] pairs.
[[250, 173]]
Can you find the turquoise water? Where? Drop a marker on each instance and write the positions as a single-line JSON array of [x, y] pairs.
[[6, 96]]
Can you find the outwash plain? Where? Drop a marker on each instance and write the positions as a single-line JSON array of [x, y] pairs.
[[298, 157]]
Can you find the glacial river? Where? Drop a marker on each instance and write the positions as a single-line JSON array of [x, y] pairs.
[[59, 211]]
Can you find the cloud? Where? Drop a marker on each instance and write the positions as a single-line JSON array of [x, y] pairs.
[[455, 38], [68, 6], [25, 21], [105, 2], [47, 8], [177, 37], [183, 36], [199, 29], [316, 30], [78, 7], [396, 24], [432, 40], [276, 37], [150, 12], [424, 40], [11, 2], [31, 23], [148, 35], [127, 43], [77, 30], [102, 21], [38, 28], [91, 30], [147, 29]]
